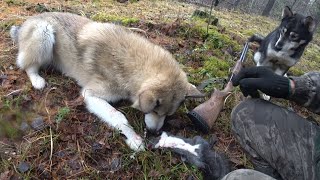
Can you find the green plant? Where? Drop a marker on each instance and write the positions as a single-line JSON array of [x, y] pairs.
[[62, 113]]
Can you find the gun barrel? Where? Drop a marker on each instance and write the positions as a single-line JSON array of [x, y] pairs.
[[244, 52], [205, 114]]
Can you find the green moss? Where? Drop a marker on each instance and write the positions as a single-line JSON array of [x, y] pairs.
[[128, 21], [188, 30], [205, 16], [5, 25], [8, 131], [9, 128], [295, 71], [104, 17], [249, 32], [312, 54], [217, 40], [200, 14], [214, 67], [15, 2]]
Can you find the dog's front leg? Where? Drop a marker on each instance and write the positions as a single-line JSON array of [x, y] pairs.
[[115, 119]]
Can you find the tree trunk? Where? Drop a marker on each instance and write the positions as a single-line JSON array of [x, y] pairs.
[[236, 3], [310, 4], [251, 5], [304, 6], [267, 9]]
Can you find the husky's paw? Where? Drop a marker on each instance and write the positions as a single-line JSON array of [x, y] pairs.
[[266, 97], [135, 143], [38, 82]]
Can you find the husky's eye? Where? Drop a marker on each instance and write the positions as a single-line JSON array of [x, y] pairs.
[[293, 36], [284, 30]]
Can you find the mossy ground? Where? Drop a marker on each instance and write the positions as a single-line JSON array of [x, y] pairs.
[[75, 144]]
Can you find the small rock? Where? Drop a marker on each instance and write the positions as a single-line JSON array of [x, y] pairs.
[[74, 164], [24, 127], [44, 174], [38, 123], [96, 146], [23, 167], [103, 165], [60, 154], [115, 164]]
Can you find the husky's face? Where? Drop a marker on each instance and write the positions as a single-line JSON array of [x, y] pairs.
[[159, 102], [295, 31]]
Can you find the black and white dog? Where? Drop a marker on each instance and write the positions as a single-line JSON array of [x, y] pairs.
[[283, 47]]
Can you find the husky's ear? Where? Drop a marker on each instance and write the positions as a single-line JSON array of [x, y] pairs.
[[286, 12], [193, 92], [309, 22], [147, 101]]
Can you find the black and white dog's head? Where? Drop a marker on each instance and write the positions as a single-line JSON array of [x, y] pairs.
[[294, 32], [283, 47]]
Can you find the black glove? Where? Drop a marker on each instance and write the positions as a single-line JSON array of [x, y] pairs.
[[264, 79]]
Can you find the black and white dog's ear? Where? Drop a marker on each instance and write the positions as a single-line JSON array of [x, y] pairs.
[[310, 23], [286, 12]]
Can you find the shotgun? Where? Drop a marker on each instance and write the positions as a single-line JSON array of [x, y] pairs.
[[205, 114]]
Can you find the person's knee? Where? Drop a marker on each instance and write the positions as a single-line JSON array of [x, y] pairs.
[[249, 113], [246, 174], [242, 113]]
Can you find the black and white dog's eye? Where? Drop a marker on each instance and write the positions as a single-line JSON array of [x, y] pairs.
[[284, 30], [293, 36]]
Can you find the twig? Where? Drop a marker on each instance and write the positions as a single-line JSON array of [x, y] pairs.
[[226, 99], [209, 20], [14, 92], [51, 148], [51, 140], [72, 175], [82, 161], [139, 30], [5, 144], [228, 145], [45, 103]]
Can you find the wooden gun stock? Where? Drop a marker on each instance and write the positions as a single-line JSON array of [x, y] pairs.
[[205, 114]]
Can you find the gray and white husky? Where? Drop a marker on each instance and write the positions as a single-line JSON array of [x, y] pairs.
[[109, 62], [283, 47]]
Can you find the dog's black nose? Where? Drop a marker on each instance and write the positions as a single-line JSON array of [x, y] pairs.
[[278, 46], [154, 131]]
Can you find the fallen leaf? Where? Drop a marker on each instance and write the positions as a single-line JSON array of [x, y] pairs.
[[5, 175]]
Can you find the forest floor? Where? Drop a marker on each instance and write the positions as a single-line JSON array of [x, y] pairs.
[[49, 134]]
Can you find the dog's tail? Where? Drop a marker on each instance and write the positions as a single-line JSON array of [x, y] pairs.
[[14, 33], [256, 38]]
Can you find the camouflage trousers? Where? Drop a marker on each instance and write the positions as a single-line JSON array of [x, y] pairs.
[[281, 144]]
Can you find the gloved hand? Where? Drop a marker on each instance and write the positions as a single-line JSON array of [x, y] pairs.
[[264, 79]]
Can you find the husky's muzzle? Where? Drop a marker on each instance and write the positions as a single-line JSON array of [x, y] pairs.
[[154, 122]]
